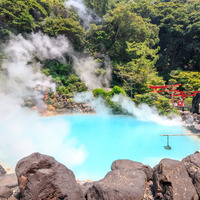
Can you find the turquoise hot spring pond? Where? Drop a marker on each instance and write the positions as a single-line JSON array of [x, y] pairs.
[[108, 138]]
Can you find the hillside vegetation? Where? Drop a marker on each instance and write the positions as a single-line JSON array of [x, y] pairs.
[[148, 42]]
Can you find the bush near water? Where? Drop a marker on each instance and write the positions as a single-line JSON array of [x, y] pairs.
[[148, 42]]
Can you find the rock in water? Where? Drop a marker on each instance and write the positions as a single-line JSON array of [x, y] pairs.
[[41, 177], [192, 164], [171, 181], [119, 185]]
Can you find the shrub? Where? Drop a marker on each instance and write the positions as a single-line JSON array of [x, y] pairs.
[[99, 93], [117, 90], [154, 99], [188, 102], [62, 90], [148, 98]]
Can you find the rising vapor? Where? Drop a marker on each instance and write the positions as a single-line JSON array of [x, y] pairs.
[[145, 113], [84, 13], [98, 104], [23, 130]]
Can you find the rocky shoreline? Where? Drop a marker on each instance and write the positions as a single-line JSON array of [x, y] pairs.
[[191, 121], [41, 177]]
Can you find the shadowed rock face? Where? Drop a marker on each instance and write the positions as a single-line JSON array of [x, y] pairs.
[[119, 185], [192, 163], [2, 171], [41, 177], [171, 181]]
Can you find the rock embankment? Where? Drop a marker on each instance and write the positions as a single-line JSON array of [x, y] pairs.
[[61, 103], [8, 186], [41, 177], [191, 121]]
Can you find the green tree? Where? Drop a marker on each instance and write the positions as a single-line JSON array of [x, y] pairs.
[[190, 81], [100, 7], [141, 69]]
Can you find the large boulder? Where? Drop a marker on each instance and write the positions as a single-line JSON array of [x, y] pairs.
[[123, 184], [192, 164], [42, 177], [171, 181], [132, 165]]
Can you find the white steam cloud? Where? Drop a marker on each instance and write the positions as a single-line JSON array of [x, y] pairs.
[[88, 68], [21, 51], [84, 13], [98, 104], [145, 113], [21, 129]]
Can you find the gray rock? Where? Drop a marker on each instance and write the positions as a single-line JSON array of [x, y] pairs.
[[119, 185], [42, 177], [5, 192], [8, 180], [2, 171], [171, 181], [188, 118], [197, 127], [192, 163], [129, 164], [86, 186]]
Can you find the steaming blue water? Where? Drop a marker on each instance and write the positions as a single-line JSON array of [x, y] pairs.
[[120, 137]]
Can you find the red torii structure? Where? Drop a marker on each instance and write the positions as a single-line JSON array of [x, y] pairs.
[[175, 93]]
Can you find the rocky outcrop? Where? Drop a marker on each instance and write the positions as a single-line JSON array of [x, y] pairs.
[[191, 121], [5, 192], [63, 103], [122, 184], [192, 164], [9, 180], [8, 186], [127, 180], [171, 181], [41, 177], [2, 171], [132, 165]]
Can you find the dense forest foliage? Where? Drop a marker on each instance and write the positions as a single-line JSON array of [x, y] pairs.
[[148, 42]]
